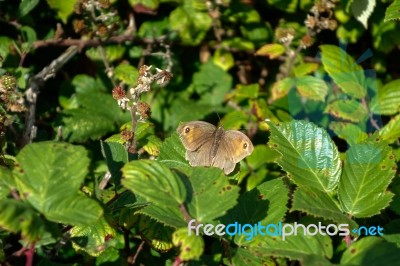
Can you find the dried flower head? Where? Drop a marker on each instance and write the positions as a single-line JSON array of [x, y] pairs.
[[127, 135], [144, 110], [118, 93], [321, 16], [163, 77]]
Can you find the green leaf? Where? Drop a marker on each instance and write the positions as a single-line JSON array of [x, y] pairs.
[[87, 84], [112, 53], [344, 71], [371, 251], [97, 113], [155, 182], [204, 187], [351, 110], [387, 100], [63, 8], [243, 256], [191, 246], [170, 216], [258, 33], [384, 39], [116, 156], [156, 234], [320, 204], [191, 21], [349, 132], [294, 247], [211, 195], [29, 34], [350, 32], [312, 88], [7, 182], [238, 43], [368, 169], [305, 69], [281, 88], [212, 83], [261, 155], [289, 6], [49, 176], [82, 125], [26, 6], [172, 152], [151, 4], [93, 238], [5, 43], [224, 59], [153, 29], [392, 12], [362, 10], [272, 50], [310, 157], [127, 74], [16, 216], [265, 204], [235, 120], [391, 131], [243, 92]]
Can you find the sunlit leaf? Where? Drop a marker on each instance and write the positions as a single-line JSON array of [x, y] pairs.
[[345, 72], [308, 154], [392, 12], [368, 169], [49, 176]]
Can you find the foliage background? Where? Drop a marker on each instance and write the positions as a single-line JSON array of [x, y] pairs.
[[313, 84]]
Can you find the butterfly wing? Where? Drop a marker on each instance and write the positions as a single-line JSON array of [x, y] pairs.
[[198, 138], [233, 147]]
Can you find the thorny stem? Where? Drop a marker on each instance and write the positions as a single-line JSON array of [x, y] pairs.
[[177, 261], [29, 253]]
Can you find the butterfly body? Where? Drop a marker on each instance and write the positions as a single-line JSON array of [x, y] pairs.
[[208, 145]]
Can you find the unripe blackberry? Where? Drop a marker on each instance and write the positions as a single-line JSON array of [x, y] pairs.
[[8, 82]]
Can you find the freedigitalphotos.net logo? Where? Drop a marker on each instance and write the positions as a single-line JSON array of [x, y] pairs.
[[279, 229]]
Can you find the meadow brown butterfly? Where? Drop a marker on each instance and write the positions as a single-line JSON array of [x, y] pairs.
[[208, 145]]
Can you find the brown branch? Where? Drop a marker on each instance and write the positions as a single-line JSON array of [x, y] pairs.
[[33, 90], [91, 42]]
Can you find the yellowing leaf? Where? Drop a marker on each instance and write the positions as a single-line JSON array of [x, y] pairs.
[[272, 50]]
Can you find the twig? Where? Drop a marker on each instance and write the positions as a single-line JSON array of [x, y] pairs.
[[92, 42], [33, 90], [139, 249]]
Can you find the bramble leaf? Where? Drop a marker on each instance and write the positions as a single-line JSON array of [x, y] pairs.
[[371, 251], [367, 172], [346, 73], [392, 12], [49, 176], [320, 204], [310, 157], [388, 99], [191, 247]]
